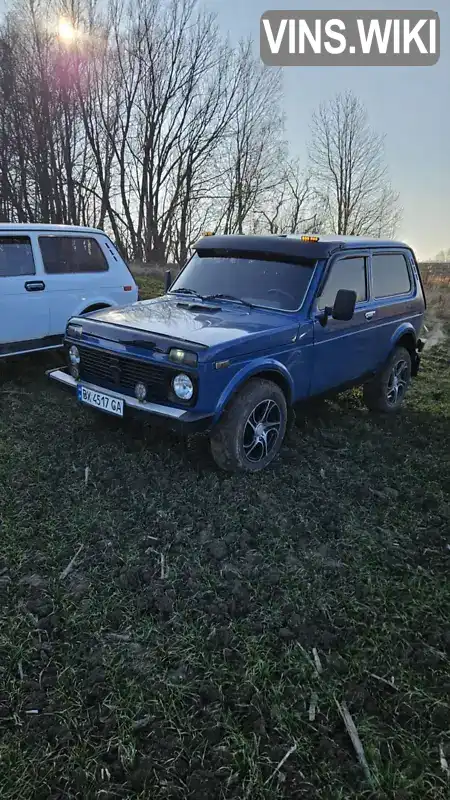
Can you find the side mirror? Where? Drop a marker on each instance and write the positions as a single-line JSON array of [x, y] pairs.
[[167, 280], [344, 305]]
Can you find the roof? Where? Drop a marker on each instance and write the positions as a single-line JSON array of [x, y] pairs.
[[291, 244], [32, 226]]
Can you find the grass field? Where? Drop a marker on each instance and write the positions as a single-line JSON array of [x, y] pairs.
[[210, 624]]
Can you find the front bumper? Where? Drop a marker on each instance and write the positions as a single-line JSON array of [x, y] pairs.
[[177, 419]]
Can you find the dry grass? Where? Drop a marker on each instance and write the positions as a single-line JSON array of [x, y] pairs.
[[438, 299]]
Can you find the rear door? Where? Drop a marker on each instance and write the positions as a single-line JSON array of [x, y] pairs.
[[24, 306], [343, 351], [77, 275]]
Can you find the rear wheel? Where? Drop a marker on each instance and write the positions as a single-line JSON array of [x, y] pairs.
[[250, 434], [387, 390]]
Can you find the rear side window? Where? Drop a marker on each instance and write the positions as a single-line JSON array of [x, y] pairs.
[[64, 254], [16, 256], [390, 275], [346, 273]]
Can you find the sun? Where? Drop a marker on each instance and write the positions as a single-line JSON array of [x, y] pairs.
[[66, 31]]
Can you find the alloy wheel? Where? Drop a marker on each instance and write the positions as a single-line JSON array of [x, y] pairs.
[[261, 430], [397, 382]]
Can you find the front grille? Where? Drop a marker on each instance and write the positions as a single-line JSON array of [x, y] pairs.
[[121, 373]]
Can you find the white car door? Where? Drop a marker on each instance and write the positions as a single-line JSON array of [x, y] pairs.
[[24, 306], [78, 274]]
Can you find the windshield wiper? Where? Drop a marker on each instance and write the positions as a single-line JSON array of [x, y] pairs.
[[228, 297], [220, 296], [184, 290]]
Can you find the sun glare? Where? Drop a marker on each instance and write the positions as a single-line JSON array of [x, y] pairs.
[[66, 31]]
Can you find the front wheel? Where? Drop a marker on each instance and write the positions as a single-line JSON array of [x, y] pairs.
[[251, 431], [387, 390]]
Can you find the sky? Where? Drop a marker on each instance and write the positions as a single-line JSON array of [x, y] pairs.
[[410, 105]]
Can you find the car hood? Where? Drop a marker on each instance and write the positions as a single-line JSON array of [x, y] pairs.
[[207, 324]]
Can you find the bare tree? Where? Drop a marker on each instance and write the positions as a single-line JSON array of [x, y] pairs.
[[254, 148], [138, 117], [43, 144], [290, 207], [242, 166], [160, 110], [349, 172]]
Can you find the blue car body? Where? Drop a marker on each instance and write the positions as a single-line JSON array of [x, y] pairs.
[[234, 341]]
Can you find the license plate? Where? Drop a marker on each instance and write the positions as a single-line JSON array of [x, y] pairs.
[[104, 402]]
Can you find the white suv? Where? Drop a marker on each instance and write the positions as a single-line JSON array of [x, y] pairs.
[[49, 273]]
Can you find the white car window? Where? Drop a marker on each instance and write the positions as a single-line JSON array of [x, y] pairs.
[[16, 256], [69, 254]]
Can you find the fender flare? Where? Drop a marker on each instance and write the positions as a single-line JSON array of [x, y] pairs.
[[405, 327], [254, 368], [107, 302]]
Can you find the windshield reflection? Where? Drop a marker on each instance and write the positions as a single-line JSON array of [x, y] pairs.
[[262, 282]]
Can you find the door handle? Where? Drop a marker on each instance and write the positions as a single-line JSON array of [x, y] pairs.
[[369, 314], [35, 286]]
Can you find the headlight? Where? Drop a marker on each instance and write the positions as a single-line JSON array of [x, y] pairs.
[[183, 387], [183, 357], [75, 372], [74, 356]]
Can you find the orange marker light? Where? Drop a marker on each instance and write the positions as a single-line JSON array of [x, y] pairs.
[[128, 288], [310, 238]]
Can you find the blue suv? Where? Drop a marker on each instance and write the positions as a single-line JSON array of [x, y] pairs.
[[252, 326]]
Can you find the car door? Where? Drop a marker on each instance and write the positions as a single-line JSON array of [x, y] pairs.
[[24, 308], [77, 274], [343, 351]]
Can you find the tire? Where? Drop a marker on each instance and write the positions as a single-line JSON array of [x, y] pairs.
[[237, 443], [387, 390]]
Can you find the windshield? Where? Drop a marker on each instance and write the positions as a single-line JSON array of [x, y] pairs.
[[261, 280]]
